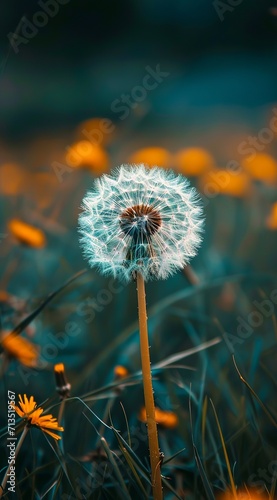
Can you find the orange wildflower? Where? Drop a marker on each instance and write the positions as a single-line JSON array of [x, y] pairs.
[[21, 349], [120, 371], [244, 494], [97, 130], [88, 155], [262, 167], [152, 156], [193, 161], [26, 234], [28, 410], [12, 178], [220, 181], [271, 221], [166, 419]]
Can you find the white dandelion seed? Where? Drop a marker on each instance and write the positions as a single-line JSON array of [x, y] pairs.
[[141, 220]]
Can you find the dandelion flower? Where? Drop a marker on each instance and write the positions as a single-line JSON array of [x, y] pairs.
[[152, 156], [236, 185], [166, 419], [28, 410], [85, 154], [21, 349], [194, 161], [263, 168], [120, 372], [140, 220]]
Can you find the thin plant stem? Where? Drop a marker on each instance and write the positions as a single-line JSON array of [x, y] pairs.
[[61, 410], [60, 420], [19, 444], [148, 393]]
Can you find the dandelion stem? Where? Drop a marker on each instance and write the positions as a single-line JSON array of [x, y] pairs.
[[19, 444], [148, 392]]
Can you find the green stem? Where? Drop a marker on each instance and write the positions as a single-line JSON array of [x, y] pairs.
[[19, 444], [148, 393]]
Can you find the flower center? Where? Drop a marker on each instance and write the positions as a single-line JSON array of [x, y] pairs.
[[140, 221]]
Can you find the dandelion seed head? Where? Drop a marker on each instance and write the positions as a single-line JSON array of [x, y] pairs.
[[141, 220]]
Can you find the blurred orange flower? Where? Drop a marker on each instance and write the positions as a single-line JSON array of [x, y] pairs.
[[24, 233], [271, 221], [98, 131], [87, 155], [193, 161], [224, 182], [12, 179], [166, 419], [21, 349], [120, 371], [262, 167], [152, 156], [28, 410], [244, 494]]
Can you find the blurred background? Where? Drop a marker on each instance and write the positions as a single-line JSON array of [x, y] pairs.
[[188, 85]]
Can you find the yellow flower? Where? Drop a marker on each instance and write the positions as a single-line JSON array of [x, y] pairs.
[[29, 411], [120, 371], [26, 234], [84, 154], [97, 130], [219, 181], [193, 161], [262, 167], [244, 494], [21, 349], [165, 419], [152, 156]]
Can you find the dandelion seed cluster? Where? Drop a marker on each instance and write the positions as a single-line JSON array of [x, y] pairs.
[[140, 220]]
